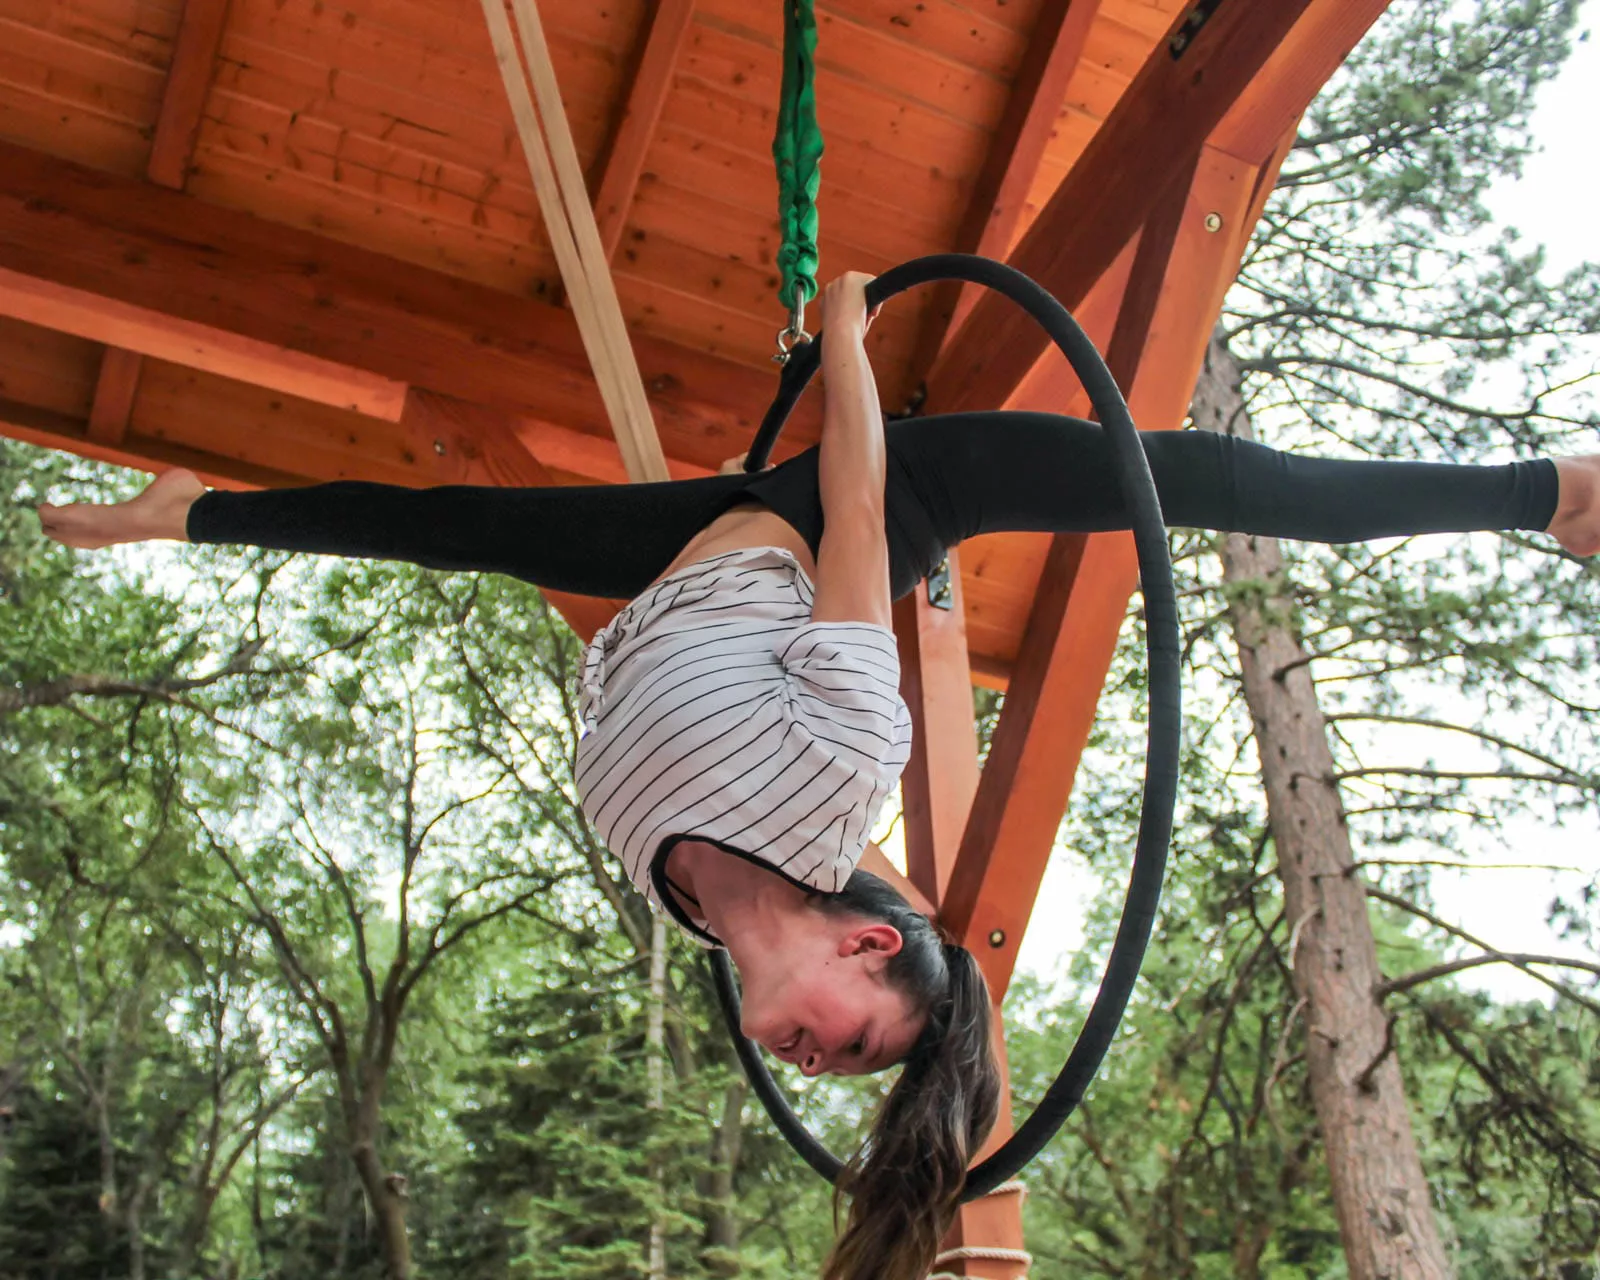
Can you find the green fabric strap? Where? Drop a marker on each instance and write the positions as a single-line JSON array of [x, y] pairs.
[[797, 150]]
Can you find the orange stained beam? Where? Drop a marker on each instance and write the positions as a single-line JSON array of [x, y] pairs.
[[1187, 257], [150, 330], [113, 396], [623, 157], [1011, 162], [194, 59], [50, 429], [154, 270], [1191, 84], [941, 776]]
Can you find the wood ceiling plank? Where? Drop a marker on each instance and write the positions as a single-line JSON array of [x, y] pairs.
[[1172, 106], [114, 391], [441, 127], [59, 73], [423, 75], [194, 59], [182, 261], [50, 370], [999, 195], [405, 232], [622, 157], [87, 137], [989, 41]]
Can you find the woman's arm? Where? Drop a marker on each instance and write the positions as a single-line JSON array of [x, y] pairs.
[[853, 558]]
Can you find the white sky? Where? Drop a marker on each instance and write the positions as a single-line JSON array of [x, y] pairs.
[[1554, 203]]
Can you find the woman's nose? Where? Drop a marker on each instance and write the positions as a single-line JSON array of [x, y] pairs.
[[812, 1065]]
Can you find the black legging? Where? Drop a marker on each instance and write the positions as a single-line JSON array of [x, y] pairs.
[[949, 478]]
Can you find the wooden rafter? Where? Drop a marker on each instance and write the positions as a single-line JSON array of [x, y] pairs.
[[194, 59], [147, 330], [1173, 105], [1011, 163], [622, 159], [114, 390], [569, 222], [171, 260], [941, 777], [1188, 256]]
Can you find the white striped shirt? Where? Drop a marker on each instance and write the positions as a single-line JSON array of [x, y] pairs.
[[715, 709]]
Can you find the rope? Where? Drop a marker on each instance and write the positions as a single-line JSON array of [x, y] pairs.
[[979, 1253], [569, 218], [983, 1253], [797, 151]]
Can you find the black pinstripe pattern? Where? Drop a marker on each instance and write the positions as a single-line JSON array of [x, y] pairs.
[[715, 709]]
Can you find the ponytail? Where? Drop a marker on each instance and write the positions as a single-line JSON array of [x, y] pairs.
[[905, 1182]]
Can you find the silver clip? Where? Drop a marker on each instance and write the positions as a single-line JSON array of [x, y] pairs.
[[794, 333]]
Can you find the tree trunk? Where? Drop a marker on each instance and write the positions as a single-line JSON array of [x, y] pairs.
[[385, 1192], [656, 1264], [1380, 1196], [721, 1253]]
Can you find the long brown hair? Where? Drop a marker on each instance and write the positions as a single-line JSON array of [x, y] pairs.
[[905, 1181]]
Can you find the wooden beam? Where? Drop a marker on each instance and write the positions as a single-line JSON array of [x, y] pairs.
[[1187, 257], [51, 430], [453, 443], [622, 159], [113, 396], [189, 75], [1184, 91], [363, 324], [194, 60], [941, 776], [1000, 192], [152, 332], [569, 223]]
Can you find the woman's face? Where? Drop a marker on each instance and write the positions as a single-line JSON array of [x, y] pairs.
[[820, 1001]]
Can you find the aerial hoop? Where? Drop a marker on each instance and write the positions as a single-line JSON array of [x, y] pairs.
[[1161, 754]]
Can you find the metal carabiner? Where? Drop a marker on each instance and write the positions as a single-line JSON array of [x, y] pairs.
[[794, 333]]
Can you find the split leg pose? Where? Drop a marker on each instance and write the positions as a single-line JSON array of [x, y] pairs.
[[743, 725]]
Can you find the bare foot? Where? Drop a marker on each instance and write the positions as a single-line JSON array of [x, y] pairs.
[[161, 511], [1577, 523]]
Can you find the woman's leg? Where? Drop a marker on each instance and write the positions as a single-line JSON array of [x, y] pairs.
[[984, 473], [608, 540]]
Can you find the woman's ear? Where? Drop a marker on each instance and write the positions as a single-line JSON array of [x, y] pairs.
[[877, 938]]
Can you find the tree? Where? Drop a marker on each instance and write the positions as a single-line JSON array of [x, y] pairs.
[[1373, 313]]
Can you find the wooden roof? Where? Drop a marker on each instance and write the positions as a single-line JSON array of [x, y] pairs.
[[287, 240]]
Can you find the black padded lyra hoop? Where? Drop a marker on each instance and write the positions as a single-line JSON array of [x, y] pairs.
[[1161, 756]]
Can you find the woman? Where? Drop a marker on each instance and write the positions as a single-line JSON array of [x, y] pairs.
[[742, 722]]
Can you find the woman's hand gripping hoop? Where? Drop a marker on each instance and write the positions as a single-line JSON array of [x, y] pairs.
[[1161, 756]]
